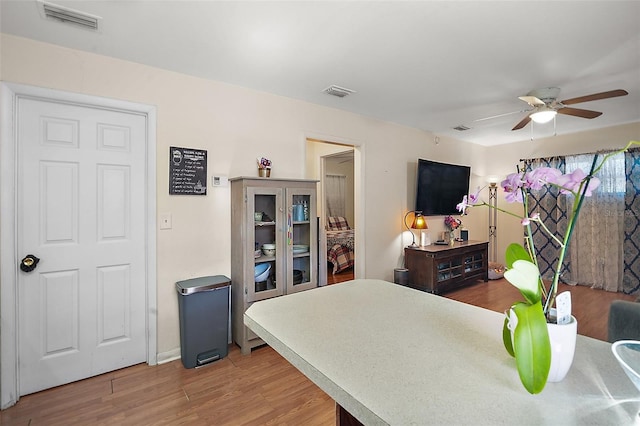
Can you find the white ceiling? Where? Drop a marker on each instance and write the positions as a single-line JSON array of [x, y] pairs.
[[427, 64]]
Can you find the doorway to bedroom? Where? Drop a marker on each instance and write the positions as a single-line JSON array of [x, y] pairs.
[[334, 166], [338, 199]]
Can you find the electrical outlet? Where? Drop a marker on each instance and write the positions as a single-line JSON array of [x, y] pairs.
[[165, 221]]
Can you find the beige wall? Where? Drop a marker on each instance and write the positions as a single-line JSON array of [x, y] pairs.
[[236, 125]]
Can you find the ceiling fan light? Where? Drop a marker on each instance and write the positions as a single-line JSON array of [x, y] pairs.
[[544, 115]]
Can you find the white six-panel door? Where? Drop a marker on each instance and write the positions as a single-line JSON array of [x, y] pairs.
[[81, 210]]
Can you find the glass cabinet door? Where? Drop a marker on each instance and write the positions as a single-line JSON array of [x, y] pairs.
[[301, 240], [265, 238]]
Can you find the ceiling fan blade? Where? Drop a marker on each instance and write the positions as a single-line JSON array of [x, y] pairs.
[[577, 112], [531, 100], [522, 123], [503, 115], [595, 97]]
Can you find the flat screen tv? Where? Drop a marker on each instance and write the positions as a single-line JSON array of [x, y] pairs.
[[440, 187]]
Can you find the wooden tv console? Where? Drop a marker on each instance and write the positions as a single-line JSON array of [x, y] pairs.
[[438, 268]]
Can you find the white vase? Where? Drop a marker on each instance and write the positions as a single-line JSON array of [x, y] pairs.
[[563, 346]]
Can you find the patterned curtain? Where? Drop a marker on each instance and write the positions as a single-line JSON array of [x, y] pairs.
[[596, 246], [631, 279], [552, 208], [605, 250]]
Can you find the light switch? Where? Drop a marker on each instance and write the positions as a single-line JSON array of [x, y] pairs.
[[165, 220]]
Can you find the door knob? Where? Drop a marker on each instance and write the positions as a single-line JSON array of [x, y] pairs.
[[29, 263]]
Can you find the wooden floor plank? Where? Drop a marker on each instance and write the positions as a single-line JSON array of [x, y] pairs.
[[257, 389], [590, 306], [345, 275]]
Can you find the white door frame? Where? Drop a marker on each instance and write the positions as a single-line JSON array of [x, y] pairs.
[[322, 235], [358, 194], [9, 95]]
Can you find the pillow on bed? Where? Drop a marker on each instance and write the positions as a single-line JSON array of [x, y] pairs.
[[337, 223]]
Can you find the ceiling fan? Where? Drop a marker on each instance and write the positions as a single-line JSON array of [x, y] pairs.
[[544, 105]]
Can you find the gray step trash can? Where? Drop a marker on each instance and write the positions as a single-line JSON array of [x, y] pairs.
[[203, 305]]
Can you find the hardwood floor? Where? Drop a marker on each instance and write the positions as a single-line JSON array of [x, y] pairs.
[[258, 389], [345, 275], [590, 307]]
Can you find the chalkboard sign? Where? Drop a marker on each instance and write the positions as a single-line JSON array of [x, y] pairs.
[[187, 171]]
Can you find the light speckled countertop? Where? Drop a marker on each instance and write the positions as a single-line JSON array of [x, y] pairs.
[[391, 355]]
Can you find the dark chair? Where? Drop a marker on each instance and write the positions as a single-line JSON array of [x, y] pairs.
[[624, 321]]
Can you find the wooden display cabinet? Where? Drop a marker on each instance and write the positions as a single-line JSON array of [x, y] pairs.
[[294, 264]]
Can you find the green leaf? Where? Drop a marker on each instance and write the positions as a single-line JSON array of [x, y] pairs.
[[525, 276], [506, 337], [516, 252], [531, 346]]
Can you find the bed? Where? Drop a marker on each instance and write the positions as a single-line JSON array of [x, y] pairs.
[[340, 244]]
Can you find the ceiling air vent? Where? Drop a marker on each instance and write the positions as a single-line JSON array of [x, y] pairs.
[[338, 91], [71, 16], [461, 128]]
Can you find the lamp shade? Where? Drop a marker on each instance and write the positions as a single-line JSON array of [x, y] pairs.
[[493, 180], [419, 222]]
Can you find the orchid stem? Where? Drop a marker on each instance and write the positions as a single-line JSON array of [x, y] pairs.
[[582, 190]]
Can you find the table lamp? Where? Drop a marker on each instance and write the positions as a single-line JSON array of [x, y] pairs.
[[419, 222]]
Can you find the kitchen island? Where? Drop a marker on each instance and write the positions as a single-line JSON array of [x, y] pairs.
[[392, 355]]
